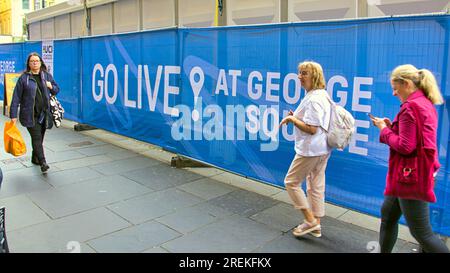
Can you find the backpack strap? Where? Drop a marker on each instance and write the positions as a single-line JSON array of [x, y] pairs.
[[332, 108]]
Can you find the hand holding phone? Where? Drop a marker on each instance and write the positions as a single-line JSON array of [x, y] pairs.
[[388, 122]]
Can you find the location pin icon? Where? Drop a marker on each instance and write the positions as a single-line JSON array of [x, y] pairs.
[[196, 88]]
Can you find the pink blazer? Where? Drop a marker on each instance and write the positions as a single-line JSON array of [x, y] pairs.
[[410, 173]]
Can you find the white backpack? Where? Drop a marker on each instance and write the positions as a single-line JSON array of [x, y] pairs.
[[341, 128]]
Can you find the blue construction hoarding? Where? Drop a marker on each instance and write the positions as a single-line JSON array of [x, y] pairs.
[[218, 94]]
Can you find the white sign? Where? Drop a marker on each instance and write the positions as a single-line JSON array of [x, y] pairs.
[[47, 55]]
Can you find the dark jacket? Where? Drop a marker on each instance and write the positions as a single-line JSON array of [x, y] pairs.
[[25, 94]]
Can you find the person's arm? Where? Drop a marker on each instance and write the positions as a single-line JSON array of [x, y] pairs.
[[15, 102], [312, 119], [52, 85], [312, 116], [405, 141], [310, 129]]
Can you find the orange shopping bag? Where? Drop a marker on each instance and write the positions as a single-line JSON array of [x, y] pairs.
[[14, 143]]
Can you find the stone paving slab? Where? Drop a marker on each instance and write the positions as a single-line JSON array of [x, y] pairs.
[[280, 217], [66, 135], [54, 157], [373, 223], [22, 212], [71, 176], [11, 164], [74, 144], [205, 171], [243, 202], [6, 156], [193, 218], [154, 205], [24, 171], [247, 184], [17, 183], [207, 188], [234, 234], [60, 202], [134, 239], [124, 165], [337, 237], [53, 236], [102, 135], [83, 162], [132, 145], [110, 150], [161, 177]]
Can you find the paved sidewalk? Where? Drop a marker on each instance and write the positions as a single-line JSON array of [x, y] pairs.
[[111, 199]]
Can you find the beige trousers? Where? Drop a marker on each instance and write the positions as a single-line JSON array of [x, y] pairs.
[[313, 169]]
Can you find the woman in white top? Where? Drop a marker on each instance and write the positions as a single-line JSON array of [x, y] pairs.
[[311, 148]]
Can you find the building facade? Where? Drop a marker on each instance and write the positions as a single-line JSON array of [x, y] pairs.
[[12, 17], [76, 18]]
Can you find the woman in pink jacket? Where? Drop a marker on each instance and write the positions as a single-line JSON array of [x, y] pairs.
[[413, 160]]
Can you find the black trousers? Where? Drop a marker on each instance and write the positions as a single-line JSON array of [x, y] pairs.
[[417, 216], [37, 139]]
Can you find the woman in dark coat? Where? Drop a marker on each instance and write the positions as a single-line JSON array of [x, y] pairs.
[[32, 93]]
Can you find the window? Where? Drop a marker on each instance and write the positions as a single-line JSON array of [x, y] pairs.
[[25, 4]]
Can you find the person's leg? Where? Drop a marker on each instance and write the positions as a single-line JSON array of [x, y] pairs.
[[300, 166], [417, 215], [390, 215], [316, 188], [37, 133], [43, 129], [296, 174], [34, 158], [36, 141]]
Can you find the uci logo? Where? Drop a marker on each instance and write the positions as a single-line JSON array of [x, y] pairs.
[[47, 49]]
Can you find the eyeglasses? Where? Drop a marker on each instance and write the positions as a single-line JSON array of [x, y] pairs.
[[304, 73], [33, 61]]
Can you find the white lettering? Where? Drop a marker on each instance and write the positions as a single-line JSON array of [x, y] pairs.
[[358, 94], [291, 77], [97, 97], [127, 102], [258, 87], [270, 86], [170, 89], [340, 94], [111, 68]]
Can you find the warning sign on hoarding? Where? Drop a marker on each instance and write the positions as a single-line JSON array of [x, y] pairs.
[[47, 55]]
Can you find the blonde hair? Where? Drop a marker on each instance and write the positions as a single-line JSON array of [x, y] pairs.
[[422, 78], [318, 79]]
